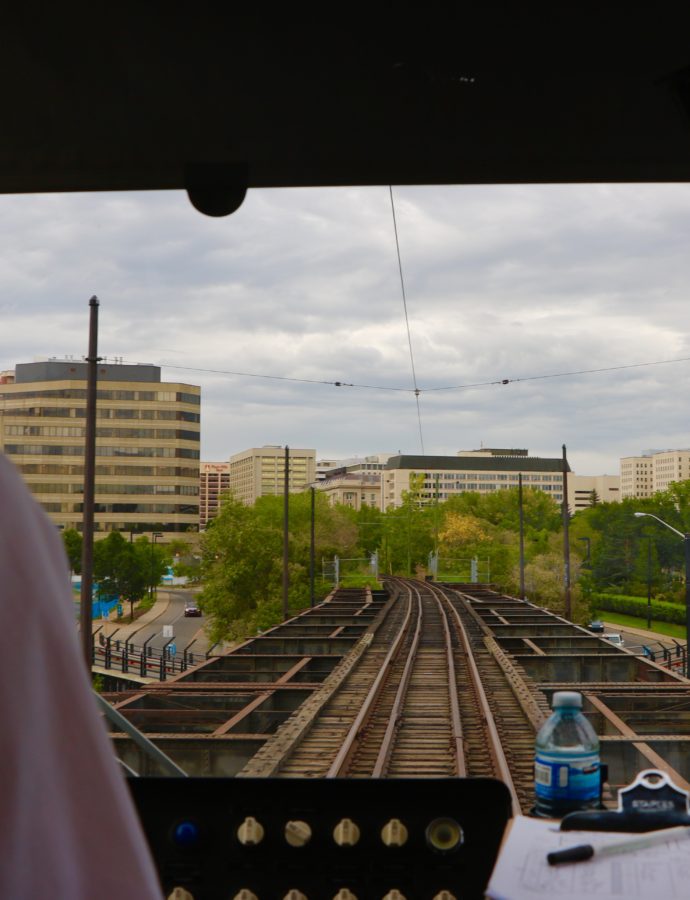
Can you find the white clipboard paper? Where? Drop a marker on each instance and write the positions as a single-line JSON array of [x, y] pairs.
[[523, 873]]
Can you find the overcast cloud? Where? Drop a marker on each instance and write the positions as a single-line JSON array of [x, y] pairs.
[[502, 282]]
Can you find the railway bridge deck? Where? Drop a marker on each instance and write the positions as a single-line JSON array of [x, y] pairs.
[[414, 679]]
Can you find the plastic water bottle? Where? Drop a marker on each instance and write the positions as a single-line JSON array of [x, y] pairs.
[[566, 765]]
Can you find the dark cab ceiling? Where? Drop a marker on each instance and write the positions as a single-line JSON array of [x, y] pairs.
[[154, 96]]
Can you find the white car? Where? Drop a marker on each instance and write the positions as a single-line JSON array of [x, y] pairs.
[[616, 639]]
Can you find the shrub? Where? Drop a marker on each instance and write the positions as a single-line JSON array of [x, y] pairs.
[[662, 611]]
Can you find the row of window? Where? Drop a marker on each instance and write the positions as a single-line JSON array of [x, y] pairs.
[[166, 509], [80, 394], [66, 412], [189, 490], [431, 480], [160, 434], [481, 488], [57, 450], [130, 471]]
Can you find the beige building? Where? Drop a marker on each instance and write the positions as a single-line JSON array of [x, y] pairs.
[[669, 466], [581, 488], [147, 444], [352, 489], [637, 476], [260, 471], [486, 470], [643, 476], [214, 481]]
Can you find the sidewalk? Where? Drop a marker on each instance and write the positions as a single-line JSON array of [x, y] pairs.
[[126, 630]]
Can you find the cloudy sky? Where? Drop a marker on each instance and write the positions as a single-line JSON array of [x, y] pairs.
[[501, 283]]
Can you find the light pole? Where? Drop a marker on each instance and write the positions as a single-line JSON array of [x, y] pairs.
[[685, 537], [649, 582], [154, 537]]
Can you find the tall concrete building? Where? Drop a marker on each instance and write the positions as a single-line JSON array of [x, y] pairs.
[[214, 481], [643, 476], [669, 466], [441, 477], [147, 444], [260, 471], [637, 476]]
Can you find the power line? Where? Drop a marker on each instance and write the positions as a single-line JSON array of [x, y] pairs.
[[416, 390], [372, 387], [407, 320], [502, 381]]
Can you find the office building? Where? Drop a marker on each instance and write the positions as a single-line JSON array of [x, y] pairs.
[[260, 472], [637, 476], [670, 466], [642, 476], [147, 444], [437, 478], [214, 481], [354, 482]]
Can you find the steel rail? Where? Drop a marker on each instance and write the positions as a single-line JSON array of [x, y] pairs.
[[456, 718], [495, 746], [383, 757], [339, 765], [457, 735]]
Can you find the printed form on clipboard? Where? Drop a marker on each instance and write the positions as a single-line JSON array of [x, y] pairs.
[[522, 872]]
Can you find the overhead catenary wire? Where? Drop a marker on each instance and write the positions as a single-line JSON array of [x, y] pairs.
[[415, 390], [407, 320]]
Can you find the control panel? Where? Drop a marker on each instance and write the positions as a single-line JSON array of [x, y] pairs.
[[307, 839]]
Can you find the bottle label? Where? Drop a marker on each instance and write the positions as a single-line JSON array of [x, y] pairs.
[[566, 777]]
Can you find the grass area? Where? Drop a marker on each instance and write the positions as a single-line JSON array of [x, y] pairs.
[[667, 628], [357, 580]]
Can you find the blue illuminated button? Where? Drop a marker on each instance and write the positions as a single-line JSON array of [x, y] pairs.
[[186, 834]]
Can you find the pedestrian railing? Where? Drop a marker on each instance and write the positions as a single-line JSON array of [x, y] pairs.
[[143, 660], [656, 651]]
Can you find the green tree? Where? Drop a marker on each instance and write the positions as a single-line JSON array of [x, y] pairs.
[[408, 536], [242, 559], [128, 570], [72, 540]]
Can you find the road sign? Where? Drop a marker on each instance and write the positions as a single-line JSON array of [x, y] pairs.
[[168, 631]]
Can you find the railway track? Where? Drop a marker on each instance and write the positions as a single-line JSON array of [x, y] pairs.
[[431, 697]]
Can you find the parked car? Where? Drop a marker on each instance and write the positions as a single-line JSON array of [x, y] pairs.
[[616, 639], [191, 609], [597, 626]]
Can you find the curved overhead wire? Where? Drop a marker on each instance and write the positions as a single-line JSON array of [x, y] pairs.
[[407, 320], [415, 390]]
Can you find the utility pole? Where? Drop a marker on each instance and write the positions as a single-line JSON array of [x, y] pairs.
[[311, 547], [286, 521], [522, 538], [566, 538], [92, 360]]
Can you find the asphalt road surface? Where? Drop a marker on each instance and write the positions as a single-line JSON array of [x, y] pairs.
[[184, 629]]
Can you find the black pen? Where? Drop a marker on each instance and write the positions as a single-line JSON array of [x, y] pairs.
[[586, 851]]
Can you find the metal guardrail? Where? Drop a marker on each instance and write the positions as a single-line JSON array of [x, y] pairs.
[[152, 662], [657, 651]]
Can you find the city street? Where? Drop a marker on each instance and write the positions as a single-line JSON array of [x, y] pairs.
[[167, 613]]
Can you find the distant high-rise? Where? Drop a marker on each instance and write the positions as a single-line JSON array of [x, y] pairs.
[[147, 444], [643, 476], [260, 471], [437, 478], [214, 481]]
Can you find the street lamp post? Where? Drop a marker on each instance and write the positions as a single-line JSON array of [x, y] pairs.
[[154, 537], [649, 581], [685, 537]]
